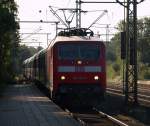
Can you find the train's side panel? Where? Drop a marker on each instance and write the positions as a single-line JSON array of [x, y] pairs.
[[48, 68], [55, 62], [42, 68], [36, 68], [49, 64]]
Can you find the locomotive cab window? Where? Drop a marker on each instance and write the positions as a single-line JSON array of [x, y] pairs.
[[84, 51]]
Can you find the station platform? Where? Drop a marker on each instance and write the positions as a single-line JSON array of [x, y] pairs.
[[25, 105]]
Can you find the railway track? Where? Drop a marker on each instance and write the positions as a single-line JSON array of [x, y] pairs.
[[143, 94], [94, 117]]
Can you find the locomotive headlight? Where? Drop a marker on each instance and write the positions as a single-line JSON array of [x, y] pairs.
[[96, 78], [79, 62], [63, 78]]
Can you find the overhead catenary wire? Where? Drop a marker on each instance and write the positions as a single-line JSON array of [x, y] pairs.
[[97, 19], [58, 17], [36, 31]]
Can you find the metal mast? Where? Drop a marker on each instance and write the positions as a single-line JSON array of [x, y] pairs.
[[131, 55], [78, 13]]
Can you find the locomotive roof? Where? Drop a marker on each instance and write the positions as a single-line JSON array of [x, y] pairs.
[[76, 38], [73, 39]]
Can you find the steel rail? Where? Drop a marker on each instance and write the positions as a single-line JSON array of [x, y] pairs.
[[114, 120], [140, 88], [104, 115], [120, 91], [142, 100], [76, 118]]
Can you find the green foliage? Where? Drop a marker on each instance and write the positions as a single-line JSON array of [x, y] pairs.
[[110, 71], [24, 52], [144, 48], [147, 75], [113, 57], [114, 65], [144, 40], [11, 54], [110, 53], [9, 38], [144, 71]]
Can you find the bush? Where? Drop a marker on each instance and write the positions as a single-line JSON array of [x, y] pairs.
[[147, 74], [144, 72], [116, 67]]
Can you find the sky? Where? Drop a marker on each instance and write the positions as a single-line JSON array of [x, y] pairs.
[[36, 10]]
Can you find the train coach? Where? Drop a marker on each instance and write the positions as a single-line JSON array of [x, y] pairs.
[[72, 68]]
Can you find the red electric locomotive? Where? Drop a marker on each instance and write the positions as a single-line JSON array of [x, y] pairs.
[[73, 68]]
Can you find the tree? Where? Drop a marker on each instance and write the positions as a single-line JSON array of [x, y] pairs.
[[24, 52], [144, 40], [143, 48], [9, 37]]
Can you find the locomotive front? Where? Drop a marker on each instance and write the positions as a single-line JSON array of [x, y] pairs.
[[79, 71]]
